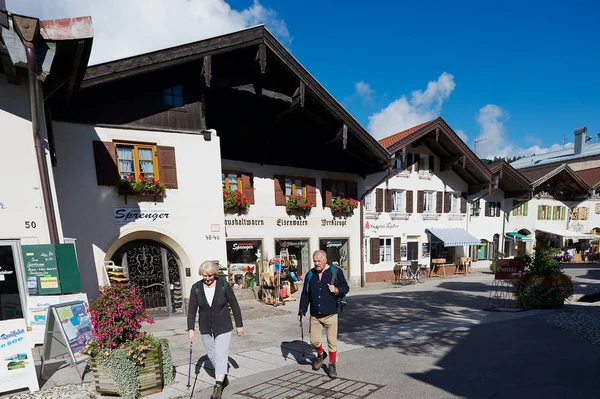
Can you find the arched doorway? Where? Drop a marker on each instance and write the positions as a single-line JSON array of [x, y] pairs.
[[495, 246], [155, 272], [521, 246]]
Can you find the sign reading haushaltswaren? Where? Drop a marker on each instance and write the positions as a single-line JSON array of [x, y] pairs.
[[141, 215]]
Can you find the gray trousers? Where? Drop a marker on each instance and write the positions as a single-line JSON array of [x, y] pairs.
[[217, 350]]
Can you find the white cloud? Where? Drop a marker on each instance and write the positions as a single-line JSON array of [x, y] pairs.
[[463, 136], [403, 113], [494, 143], [124, 28], [364, 90]]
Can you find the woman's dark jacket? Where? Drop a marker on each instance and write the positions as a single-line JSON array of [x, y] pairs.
[[215, 319]]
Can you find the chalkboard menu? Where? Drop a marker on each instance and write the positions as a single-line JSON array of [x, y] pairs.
[[41, 268]]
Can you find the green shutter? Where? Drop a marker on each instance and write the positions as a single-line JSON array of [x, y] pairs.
[[514, 212], [553, 214], [539, 212], [525, 209], [563, 212]]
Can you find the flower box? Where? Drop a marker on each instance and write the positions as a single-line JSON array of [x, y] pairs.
[[150, 377], [298, 203], [341, 205], [141, 187], [234, 200]]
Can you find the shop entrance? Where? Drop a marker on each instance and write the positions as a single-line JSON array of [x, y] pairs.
[[12, 288], [154, 270], [337, 252], [243, 257], [300, 261]]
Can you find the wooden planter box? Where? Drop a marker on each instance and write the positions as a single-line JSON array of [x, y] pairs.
[[150, 377]]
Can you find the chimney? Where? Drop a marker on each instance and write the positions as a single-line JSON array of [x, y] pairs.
[[598, 137], [580, 139]]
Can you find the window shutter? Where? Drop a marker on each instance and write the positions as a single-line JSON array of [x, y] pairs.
[[396, 249], [388, 200], [539, 217], [379, 200], [409, 162], [438, 201], [525, 209], [279, 182], [353, 190], [487, 209], [498, 204], [374, 244], [167, 169], [585, 213], [409, 201], [105, 157], [416, 160], [431, 163], [447, 197], [463, 203], [597, 207], [420, 201], [248, 186], [514, 211], [326, 192], [311, 190], [563, 213]]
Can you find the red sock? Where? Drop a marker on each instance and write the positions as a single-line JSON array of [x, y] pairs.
[[332, 357], [320, 349]]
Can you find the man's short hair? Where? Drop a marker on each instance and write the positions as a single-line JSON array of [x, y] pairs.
[[320, 253]]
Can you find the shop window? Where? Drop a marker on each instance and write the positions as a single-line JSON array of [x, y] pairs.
[[231, 181], [337, 252], [10, 296], [429, 201], [295, 255], [242, 256], [399, 201], [385, 249], [135, 160], [173, 97], [295, 186]]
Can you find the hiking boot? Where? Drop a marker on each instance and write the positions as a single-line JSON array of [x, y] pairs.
[[320, 359], [332, 371], [217, 392]]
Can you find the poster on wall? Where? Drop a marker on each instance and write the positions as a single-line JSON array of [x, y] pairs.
[[41, 269], [17, 367]]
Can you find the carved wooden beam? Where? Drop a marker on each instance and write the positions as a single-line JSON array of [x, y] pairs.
[[299, 95], [437, 134], [73, 77], [342, 136], [261, 57], [207, 70], [253, 88]]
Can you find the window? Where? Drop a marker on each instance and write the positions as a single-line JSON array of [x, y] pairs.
[[339, 189], [423, 162], [544, 212], [560, 213], [135, 160], [231, 181], [385, 249], [173, 96], [399, 161], [399, 201], [454, 202], [369, 203], [429, 201], [294, 186], [493, 209], [520, 210]]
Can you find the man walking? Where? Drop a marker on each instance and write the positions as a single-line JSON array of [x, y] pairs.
[[322, 289]]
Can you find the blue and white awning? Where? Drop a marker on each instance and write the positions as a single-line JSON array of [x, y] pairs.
[[454, 237]]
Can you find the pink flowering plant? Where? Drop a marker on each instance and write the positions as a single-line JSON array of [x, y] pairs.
[[141, 186]]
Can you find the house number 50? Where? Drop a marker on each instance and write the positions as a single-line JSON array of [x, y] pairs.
[[30, 225]]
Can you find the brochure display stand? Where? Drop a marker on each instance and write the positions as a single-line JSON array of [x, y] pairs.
[[17, 368]]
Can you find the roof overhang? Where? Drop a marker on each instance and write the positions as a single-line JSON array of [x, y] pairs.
[[562, 183], [510, 181], [454, 154]]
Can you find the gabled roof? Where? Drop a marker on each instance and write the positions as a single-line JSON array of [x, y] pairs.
[[565, 155], [454, 154], [562, 183], [513, 183], [388, 141], [591, 176]]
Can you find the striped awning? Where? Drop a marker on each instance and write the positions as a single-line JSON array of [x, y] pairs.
[[521, 237], [454, 237]]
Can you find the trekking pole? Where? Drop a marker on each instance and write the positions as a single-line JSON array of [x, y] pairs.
[[190, 366], [302, 335]]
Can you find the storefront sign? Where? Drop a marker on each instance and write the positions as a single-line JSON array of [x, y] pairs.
[[137, 215], [287, 244], [41, 268], [403, 251], [284, 222], [244, 222], [425, 250], [509, 269], [333, 244], [292, 222], [17, 366], [381, 226], [241, 246]]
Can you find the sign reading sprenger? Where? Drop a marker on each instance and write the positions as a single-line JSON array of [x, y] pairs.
[[137, 215]]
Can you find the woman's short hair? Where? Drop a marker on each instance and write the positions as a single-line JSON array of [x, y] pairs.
[[209, 267]]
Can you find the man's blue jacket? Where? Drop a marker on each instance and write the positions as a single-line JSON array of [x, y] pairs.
[[322, 302]]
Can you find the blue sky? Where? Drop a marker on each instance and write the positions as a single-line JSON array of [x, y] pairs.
[[521, 76]]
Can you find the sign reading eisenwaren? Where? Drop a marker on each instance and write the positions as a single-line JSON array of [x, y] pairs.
[[141, 215]]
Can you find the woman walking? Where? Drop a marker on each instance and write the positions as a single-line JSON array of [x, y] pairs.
[[210, 298]]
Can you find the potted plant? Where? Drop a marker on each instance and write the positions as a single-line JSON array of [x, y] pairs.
[[142, 186], [233, 199], [343, 205], [543, 284], [298, 203], [124, 360]]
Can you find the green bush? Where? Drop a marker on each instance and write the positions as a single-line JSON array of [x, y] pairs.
[[493, 266]]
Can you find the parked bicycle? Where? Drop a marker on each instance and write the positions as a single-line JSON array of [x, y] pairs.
[[406, 271]]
